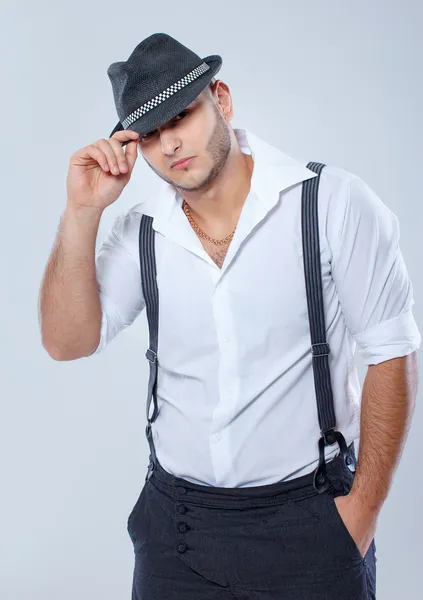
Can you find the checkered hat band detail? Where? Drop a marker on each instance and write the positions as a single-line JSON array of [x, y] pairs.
[[175, 87]]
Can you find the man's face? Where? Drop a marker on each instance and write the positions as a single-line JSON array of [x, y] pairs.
[[199, 131]]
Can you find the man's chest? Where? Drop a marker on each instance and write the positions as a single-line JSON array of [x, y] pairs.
[[216, 252], [257, 304]]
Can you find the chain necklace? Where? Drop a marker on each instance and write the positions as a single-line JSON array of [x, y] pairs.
[[201, 233]]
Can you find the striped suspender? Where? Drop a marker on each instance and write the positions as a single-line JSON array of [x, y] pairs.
[[319, 347], [151, 296]]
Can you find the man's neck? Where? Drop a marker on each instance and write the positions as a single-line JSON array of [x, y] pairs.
[[216, 209]]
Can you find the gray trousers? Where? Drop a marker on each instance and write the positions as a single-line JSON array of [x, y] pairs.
[[283, 541]]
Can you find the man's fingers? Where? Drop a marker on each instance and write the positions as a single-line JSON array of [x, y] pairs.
[[125, 136], [131, 153]]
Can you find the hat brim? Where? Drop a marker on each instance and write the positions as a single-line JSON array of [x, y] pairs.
[[175, 104]]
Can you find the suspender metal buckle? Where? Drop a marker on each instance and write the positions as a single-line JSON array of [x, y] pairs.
[[320, 349], [151, 355]]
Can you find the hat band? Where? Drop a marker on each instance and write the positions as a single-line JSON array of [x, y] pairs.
[[175, 87]]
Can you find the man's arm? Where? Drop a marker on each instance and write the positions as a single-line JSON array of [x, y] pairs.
[[69, 307], [376, 297], [387, 406], [388, 401]]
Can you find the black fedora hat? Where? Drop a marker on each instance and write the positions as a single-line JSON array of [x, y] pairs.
[[160, 78]]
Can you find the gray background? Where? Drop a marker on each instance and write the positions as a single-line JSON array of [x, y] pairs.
[[336, 82]]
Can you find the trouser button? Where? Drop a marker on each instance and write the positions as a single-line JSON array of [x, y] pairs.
[[181, 548], [181, 509], [182, 527]]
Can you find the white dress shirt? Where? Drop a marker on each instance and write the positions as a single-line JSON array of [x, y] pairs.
[[235, 383]]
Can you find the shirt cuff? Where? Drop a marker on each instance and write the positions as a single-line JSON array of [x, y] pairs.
[[390, 339]]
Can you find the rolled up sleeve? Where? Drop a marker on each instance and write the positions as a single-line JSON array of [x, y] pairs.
[[373, 286], [119, 283]]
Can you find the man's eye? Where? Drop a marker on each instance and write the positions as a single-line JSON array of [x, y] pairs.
[[148, 135], [183, 113]]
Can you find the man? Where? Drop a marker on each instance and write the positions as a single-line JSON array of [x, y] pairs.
[[252, 490]]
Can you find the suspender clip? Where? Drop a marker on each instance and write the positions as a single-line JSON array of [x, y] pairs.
[[150, 469], [148, 430], [151, 464], [329, 437]]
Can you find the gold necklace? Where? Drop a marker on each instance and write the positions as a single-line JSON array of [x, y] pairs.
[[201, 233]]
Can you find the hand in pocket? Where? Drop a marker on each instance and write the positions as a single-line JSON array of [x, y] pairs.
[[360, 523]]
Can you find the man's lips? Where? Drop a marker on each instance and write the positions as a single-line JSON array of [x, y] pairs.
[[182, 163]]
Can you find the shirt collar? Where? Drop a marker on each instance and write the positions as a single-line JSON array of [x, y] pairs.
[[273, 172]]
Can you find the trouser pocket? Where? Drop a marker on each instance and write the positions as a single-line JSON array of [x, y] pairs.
[[341, 527], [134, 512]]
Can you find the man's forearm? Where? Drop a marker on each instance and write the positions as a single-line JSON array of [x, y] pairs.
[[69, 304], [387, 406]]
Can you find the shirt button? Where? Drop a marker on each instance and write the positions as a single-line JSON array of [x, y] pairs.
[[182, 527], [217, 438], [182, 509], [181, 547]]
